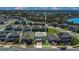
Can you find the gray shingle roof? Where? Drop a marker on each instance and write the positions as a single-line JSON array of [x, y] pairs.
[[65, 35], [53, 37], [39, 34]]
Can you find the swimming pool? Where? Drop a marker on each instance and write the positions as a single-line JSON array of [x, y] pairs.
[[73, 20]]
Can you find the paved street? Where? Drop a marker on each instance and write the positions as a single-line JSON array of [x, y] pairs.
[[37, 49]]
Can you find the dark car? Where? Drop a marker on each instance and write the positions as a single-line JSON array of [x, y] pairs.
[[62, 48]]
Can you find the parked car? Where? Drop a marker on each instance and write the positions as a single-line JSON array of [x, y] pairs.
[[63, 48]]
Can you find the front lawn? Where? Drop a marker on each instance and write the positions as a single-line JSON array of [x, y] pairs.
[[75, 41], [52, 30], [2, 26]]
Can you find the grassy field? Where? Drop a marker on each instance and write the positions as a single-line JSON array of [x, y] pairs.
[[2, 26], [75, 41], [52, 30]]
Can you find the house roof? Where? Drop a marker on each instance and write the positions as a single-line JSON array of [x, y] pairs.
[[2, 33], [17, 27], [64, 35], [26, 28], [73, 27], [53, 37], [40, 34], [28, 35], [9, 26], [13, 34]]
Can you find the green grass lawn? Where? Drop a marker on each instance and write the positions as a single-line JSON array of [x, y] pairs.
[[52, 30], [2, 26], [75, 41], [46, 45]]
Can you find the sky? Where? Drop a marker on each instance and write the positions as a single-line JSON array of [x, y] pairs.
[[39, 8]]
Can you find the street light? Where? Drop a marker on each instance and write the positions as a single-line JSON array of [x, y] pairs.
[[45, 14]]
